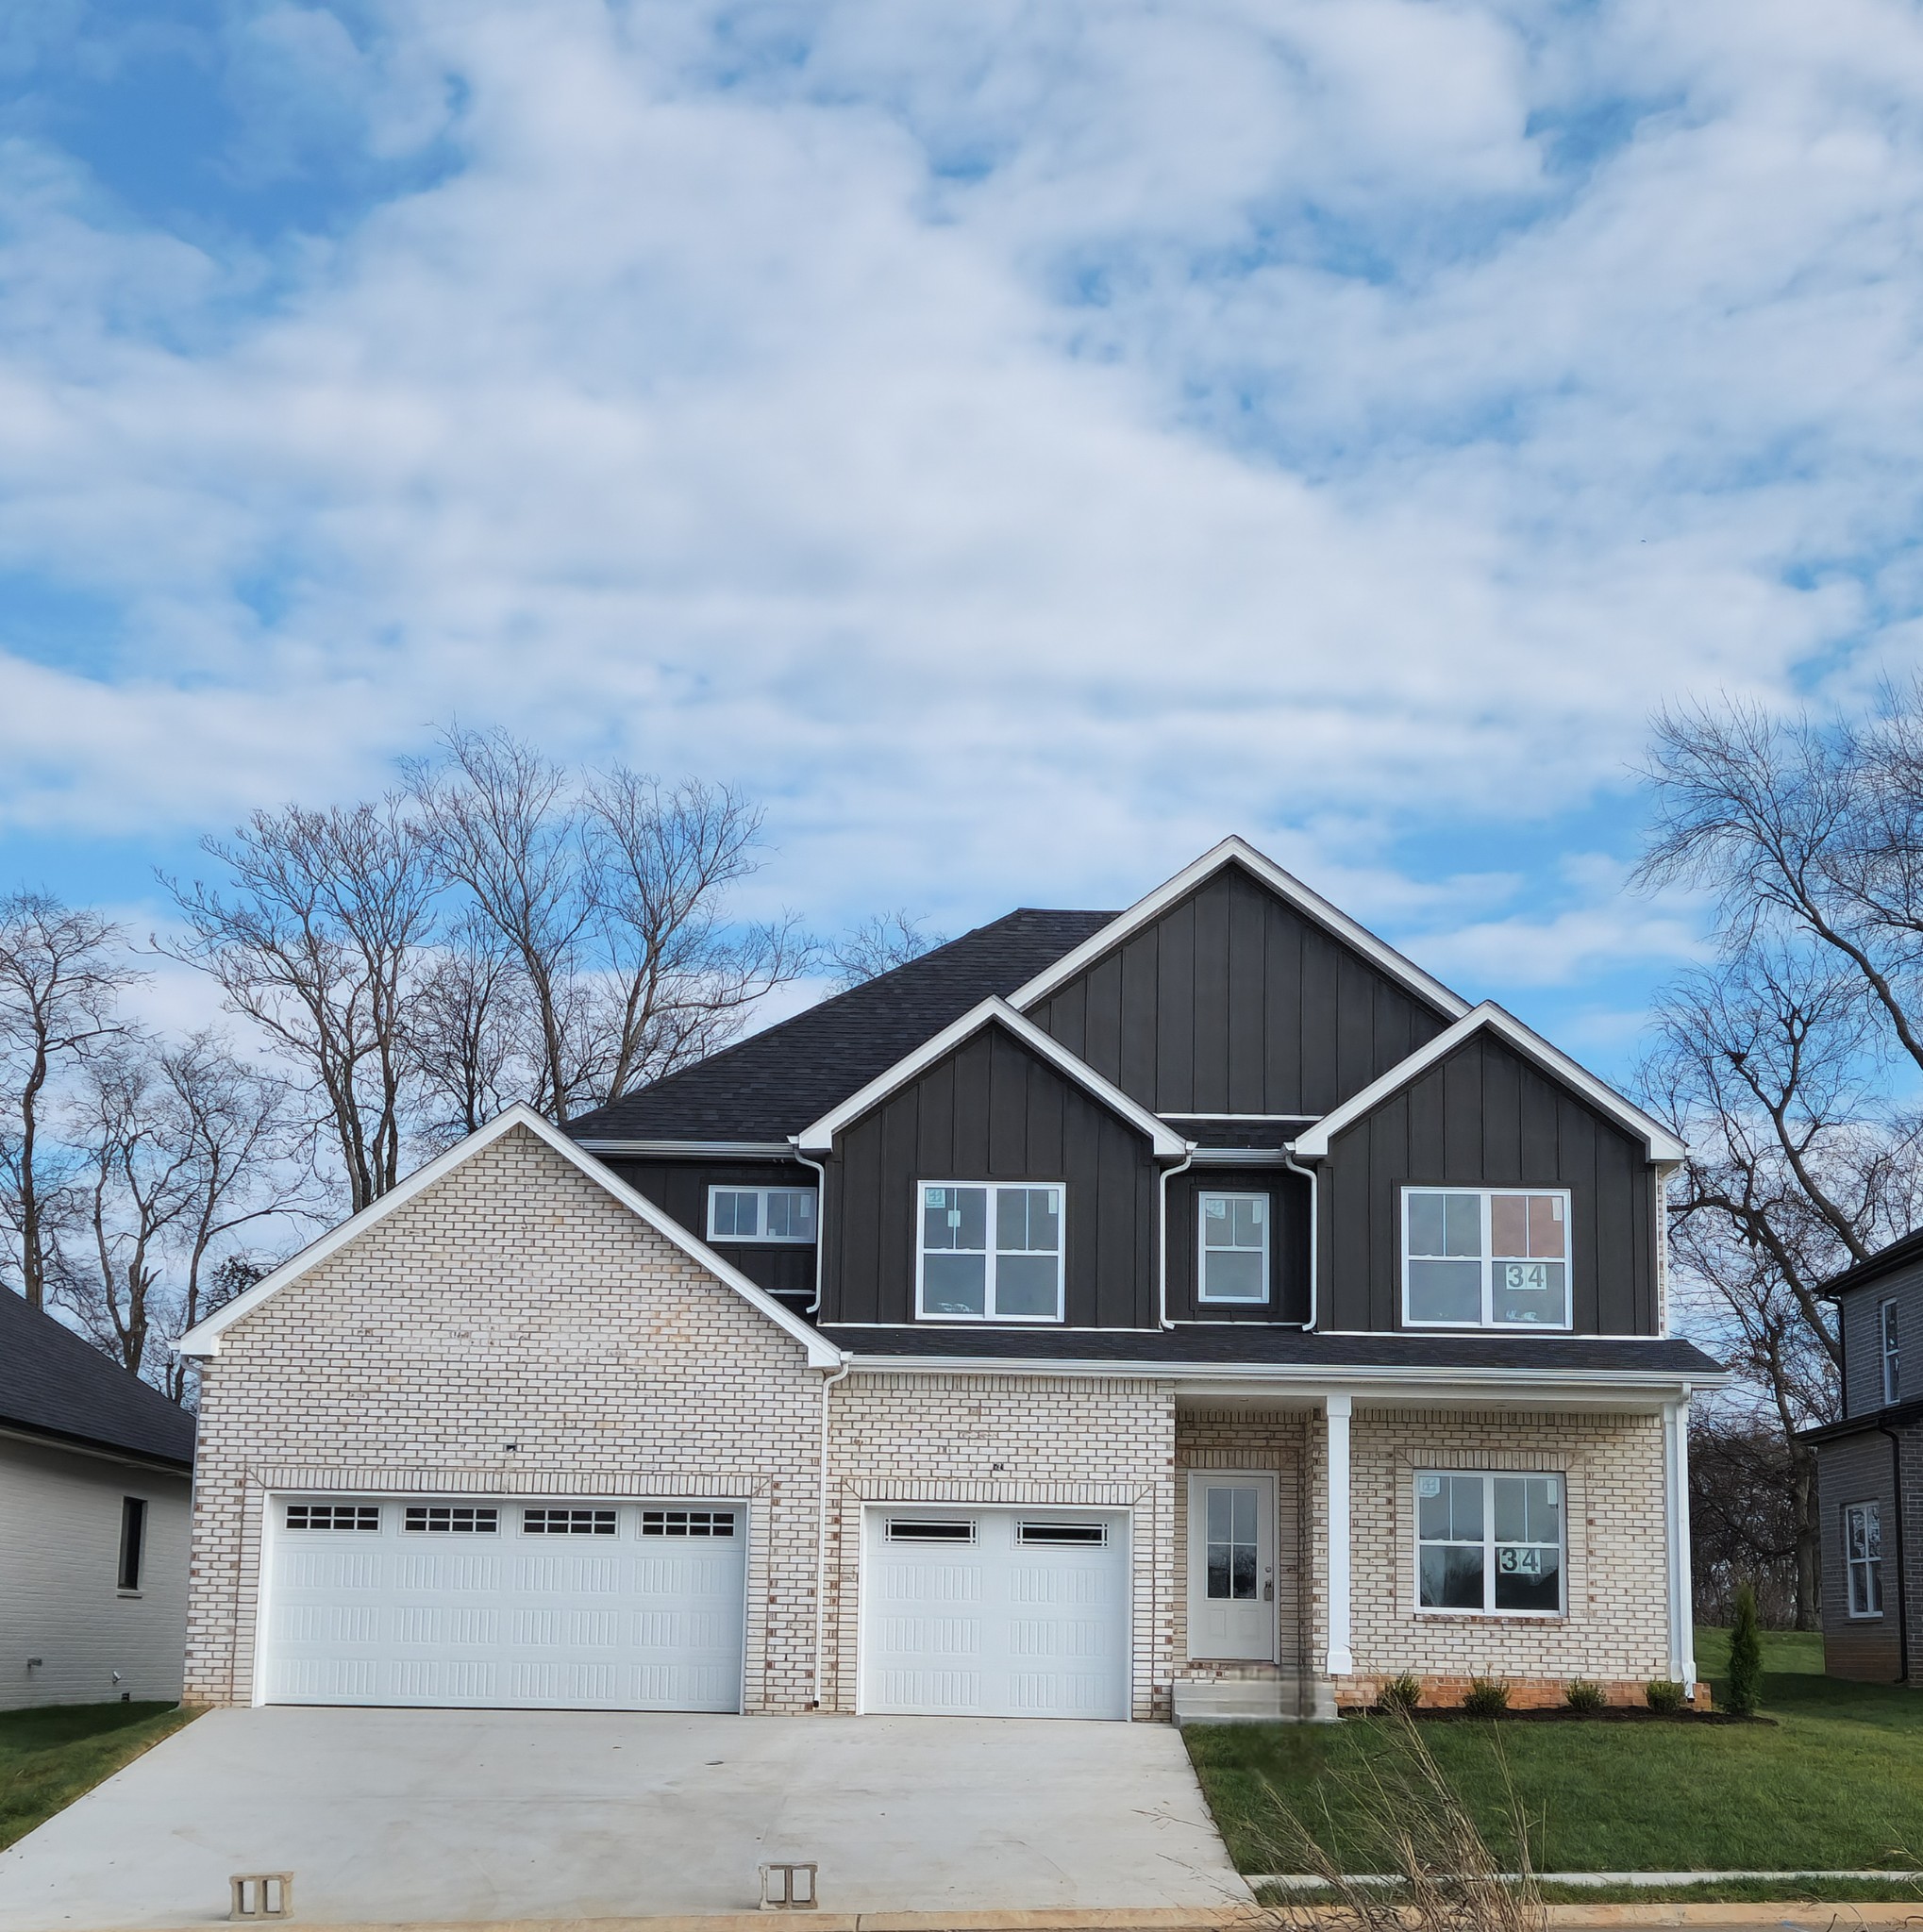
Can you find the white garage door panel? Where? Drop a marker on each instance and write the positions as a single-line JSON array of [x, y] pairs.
[[632, 1621], [1003, 1625]]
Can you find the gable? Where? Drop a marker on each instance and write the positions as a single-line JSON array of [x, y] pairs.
[[506, 1188], [1233, 1000]]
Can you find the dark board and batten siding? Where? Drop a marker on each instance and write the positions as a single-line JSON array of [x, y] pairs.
[[1486, 1117], [1288, 1195], [1233, 1002], [992, 1109], [680, 1187]]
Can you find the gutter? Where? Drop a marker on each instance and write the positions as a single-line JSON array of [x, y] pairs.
[[820, 1218], [711, 1150], [1168, 1173], [1308, 1173], [827, 1382], [1902, 1575]]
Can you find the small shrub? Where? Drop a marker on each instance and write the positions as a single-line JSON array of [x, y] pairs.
[[1584, 1696], [1745, 1654], [1664, 1695], [1488, 1697], [1401, 1693]]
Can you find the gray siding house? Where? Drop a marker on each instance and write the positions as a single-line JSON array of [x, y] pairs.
[[95, 1480], [1197, 1310]]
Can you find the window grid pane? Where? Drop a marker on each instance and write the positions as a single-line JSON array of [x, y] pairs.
[[1485, 1257], [1018, 1277], [1489, 1543], [1235, 1266]]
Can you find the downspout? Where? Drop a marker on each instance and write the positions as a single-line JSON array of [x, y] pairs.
[[1308, 1173], [820, 1218], [1168, 1173], [827, 1382], [1903, 1580]]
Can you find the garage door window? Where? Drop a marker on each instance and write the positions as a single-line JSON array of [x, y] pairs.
[[990, 1252], [687, 1522], [567, 1522], [333, 1516], [918, 1529], [1063, 1535], [433, 1518]]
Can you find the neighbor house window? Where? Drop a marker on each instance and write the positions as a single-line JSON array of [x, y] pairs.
[[1485, 1257], [761, 1214], [990, 1251], [1235, 1248], [1863, 1557], [133, 1537], [1490, 1544], [1893, 1366]]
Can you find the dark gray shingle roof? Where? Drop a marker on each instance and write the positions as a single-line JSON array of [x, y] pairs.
[[773, 1084], [55, 1383]]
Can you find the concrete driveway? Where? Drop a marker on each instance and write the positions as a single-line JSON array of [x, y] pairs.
[[399, 1815]]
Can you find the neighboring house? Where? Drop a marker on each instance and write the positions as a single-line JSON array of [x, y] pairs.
[[96, 1477], [1196, 1308], [1870, 1470]]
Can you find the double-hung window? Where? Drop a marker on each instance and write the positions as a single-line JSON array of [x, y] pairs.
[[761, 1214], [1893, 1363], [1863, 1557], [1235, 1248], [990, 1251], [1489, 1544], [1485, 1257]]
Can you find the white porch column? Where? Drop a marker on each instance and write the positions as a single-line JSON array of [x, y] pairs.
[[1681, 1588], [1341, 1660]]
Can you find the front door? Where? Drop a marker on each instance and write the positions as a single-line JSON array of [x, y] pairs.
[[1232, 1567]]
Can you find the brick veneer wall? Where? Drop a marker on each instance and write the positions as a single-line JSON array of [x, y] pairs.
[[1025, 1439], [1615, 1629], [513, 1302]]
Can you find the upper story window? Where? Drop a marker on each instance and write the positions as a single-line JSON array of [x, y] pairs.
[[990, 1251], [1893, 1365], [1485, 1257], [1235, 1248], [1863, 1557], [761, 1214]]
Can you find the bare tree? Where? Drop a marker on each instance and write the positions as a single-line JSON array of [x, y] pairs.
[[61, 978], [1744, 1524], [320, 940], [878, 945], [472, 1036]]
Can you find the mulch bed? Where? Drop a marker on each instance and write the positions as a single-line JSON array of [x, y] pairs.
[[1561, 1714]]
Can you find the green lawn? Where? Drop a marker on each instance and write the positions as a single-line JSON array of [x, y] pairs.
[[50, 1757], [1836, 1783]]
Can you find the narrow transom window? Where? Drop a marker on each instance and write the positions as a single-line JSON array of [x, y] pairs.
[[1074, 1535], [1893, 1361], [133, 1537], [362, 1516], [451, 1519], [990, 1251], [1485, 1257], [1235, 1248], [930, 1529], [567, 1522], [1488, 1542], [1863, 1557], [687, 1522], [761, 1214]]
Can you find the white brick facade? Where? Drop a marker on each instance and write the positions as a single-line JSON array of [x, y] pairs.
[[515, 1329]]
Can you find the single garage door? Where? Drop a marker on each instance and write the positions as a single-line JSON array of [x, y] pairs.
[[568, 1605], [995, 1612]]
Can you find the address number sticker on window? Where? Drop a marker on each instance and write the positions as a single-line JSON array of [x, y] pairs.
[[1518, 1276], [1519, 1563], [1431, 1486]]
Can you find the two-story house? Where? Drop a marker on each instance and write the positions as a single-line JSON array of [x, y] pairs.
[[1870, 1470], [1197, 1309]]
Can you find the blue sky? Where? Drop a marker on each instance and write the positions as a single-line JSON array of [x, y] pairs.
[[1021, 445]]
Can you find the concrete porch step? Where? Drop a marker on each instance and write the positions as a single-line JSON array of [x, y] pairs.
[[1269, 1698]]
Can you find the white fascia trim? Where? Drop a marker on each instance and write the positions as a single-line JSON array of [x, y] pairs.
[[1662, 1145], [820, 1136], [694, 1150], [1237, 851], [203, 1340]]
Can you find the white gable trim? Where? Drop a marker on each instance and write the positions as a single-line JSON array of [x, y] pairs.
[[1312, 1144], [1234, 851], [203, 1340], [819, 1137]]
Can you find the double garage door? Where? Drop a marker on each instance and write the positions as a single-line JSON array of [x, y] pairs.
[[586, 1605]]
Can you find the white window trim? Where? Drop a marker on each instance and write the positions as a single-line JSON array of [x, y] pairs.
[[923, 1313], [1559, 1614], [1564, 1326], [1889, 1349], [1204, 1195], [1852, 1564], [761, 1193]]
